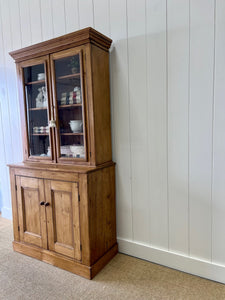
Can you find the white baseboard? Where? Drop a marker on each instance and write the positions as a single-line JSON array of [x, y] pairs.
[[6, 212], [173, 260]]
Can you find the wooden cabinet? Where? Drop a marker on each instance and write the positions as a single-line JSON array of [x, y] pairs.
[[63, 194], [32, 220]]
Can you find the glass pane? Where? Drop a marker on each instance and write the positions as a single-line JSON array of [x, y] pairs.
[[70, 107], [37, 114]]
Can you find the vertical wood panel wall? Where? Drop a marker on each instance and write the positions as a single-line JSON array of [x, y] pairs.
[[167, 75]]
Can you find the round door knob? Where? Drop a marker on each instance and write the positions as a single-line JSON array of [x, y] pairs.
[[47, 204], [42, 203]]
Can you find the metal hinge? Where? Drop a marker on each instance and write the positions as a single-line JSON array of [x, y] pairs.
[[80, 247], [78, 197], [18, 228]]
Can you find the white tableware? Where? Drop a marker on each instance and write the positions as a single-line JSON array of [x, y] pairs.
[[76, 125], [41, 76], [77, 150]]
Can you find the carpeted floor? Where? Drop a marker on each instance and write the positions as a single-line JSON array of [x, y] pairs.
[[124, 277]]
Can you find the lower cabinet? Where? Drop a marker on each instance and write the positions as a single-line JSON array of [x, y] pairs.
[[65, 218], [49, 215]]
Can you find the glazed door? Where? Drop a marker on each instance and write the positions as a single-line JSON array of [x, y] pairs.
[[31, 211], [37, 107], [62, 211], [69, 102]]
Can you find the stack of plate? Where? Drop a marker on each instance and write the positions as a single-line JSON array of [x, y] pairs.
[[65, 150], [77, 150]]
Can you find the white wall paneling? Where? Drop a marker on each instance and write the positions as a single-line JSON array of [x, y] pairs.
[[218, 203], [72, 15], [167, 74], [35, 21], [178, 103], [102, 16], [86, 13], [25, 24], [200, 125], [46, 19], [138, 118], [58, 17], [120, 117], [157, 120]]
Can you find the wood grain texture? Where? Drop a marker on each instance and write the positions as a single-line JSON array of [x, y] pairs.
[[66, 41], [101, 105], [14, 206], [64, 262], [84, 219], [101, 206], [63, 218], [31, 215]]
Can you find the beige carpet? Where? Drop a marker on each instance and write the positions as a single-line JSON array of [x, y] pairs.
[[124, 277]]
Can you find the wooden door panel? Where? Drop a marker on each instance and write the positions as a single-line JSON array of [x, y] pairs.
[[30, 192], [63, 218]]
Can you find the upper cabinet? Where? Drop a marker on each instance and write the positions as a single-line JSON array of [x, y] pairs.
[[64, 99]]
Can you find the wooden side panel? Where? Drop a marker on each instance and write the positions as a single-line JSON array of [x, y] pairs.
[[63, 218], [84, 219], [101, 99], [102, 211], [14, 205], [30, 193]]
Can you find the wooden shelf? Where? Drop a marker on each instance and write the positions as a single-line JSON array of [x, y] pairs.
[[42, 134], [70, 105], [35, 82], [75, 133], [68, 76], [38, 108]]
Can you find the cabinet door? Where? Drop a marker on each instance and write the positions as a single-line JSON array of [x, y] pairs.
[[68, 95], [36, 108], [63, 222], [31, 211]]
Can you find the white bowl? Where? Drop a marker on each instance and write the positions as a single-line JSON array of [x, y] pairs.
[[76, 125]]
